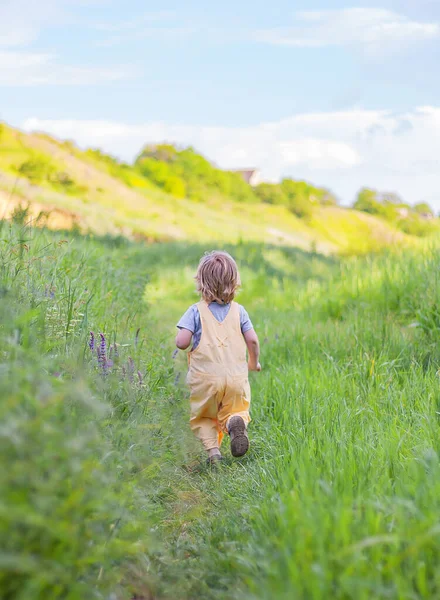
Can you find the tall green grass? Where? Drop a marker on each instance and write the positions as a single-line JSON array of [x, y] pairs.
[[104, 491]]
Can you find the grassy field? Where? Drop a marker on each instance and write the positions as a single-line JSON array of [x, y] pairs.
[[104, 491]]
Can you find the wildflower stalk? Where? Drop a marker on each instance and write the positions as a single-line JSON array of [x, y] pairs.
[[130, 368], [102, 354]]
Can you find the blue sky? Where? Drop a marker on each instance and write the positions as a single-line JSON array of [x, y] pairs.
[[341, 94]]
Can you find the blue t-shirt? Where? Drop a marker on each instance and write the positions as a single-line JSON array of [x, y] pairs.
[[191, 319]]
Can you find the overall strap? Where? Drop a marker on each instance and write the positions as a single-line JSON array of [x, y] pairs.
[[232, 319]]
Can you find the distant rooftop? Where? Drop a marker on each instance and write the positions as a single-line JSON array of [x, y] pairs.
[[251, 176]]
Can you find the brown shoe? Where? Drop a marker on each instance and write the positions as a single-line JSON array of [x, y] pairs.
[[214, 460], [239, 437]]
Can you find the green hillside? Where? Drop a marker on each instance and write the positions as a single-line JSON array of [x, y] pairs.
[[171, 194]]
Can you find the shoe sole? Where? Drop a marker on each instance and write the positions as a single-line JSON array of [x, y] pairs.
[[239, 437]]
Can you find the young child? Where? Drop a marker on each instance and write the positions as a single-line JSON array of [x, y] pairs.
[[218, 369]]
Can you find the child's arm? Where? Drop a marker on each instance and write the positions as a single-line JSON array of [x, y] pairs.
[[253, 346], [183, 338]]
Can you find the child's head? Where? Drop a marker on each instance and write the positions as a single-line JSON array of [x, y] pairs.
[[217, 277]]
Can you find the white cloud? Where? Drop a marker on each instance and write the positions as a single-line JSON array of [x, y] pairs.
[[321, 153], [22, 69], [366, 27], [21, 23], [22, 20], [342, 150]]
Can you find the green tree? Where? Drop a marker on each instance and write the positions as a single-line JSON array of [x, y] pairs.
[[423, 208], [298, 197], [415, 225], [328, 199], [35, 169], [187, 173], [271, 193], [367, 201], [175, 186]]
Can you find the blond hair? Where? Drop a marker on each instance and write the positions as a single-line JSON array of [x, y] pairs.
[[217, 277]]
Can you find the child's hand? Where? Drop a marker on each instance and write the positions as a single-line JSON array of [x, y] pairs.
[[253, 366]]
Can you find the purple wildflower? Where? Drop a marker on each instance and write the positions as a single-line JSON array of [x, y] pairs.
[[177, 379], [92, 341], [48, 292], [175, 353], [103, 346], [102, 354], [141, 380]]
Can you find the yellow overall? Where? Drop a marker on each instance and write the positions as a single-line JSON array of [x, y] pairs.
[[218, 376]]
